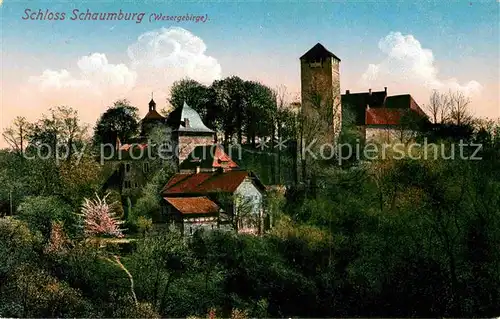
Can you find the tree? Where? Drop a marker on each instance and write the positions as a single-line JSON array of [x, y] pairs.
[[259, 111], [60, 130], [157, 263], [229, 100], [459, 108], [240, 212], [439, 107], [197, 96], [119, 121], [40, 212], [17, 135], [99, 220]]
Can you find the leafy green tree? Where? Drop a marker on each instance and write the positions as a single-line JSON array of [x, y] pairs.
[[197, 96], [119, 121], [260, 110], [158, 262], [60, 130], [39, 213]]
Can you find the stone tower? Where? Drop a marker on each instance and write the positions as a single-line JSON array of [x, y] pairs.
[[320, 87], [152, 119], [188, 131]]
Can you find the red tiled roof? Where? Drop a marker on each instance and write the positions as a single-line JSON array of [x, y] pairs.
[[202, 183], [208, 157], [384, 116], [193, 205], [221, 157]]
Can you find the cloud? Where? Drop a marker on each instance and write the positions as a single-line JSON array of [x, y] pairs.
[[172, 54], [95, 74], [156, 59], [407, 61]]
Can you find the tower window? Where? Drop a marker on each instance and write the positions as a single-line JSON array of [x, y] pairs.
[[127, 167], [315, 64], [127, 184], [145, 167]]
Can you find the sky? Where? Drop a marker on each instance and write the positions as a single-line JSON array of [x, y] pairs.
[[408, 47]]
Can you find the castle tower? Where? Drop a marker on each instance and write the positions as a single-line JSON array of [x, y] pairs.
[[152, 119], [152, 105], [320, 87], [188, 131]]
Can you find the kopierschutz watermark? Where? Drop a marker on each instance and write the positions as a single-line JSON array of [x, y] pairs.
[[379, 151]]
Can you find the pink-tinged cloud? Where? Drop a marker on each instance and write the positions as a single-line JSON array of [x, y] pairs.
[[95, 75], [171, 54], [407, 62], [155, 60]]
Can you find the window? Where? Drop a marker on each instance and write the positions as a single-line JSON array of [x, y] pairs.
[[127, 167], [145, 167], [316, 64], [127, 184], [136, 185]]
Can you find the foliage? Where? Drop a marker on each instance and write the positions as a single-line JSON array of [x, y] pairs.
[[144, 224], [149, 204], [40, 212], [99, 219], [119, 121], [393, 238]]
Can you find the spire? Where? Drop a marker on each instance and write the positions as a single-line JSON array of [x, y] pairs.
[[152, 104]]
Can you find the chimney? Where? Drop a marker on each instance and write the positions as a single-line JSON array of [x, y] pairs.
[[198, 168], [186, 122], [347, 91], [370, 91], [385, 89]]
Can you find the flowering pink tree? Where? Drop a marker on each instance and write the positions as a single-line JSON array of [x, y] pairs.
[[99, 219]]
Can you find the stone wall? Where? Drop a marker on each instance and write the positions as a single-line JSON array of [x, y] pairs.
[[188, 143], [320, 84]]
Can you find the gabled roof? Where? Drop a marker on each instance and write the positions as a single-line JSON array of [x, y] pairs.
[[193, 205], [205, 183], [318, 52], [176, 120], [206, 157]]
